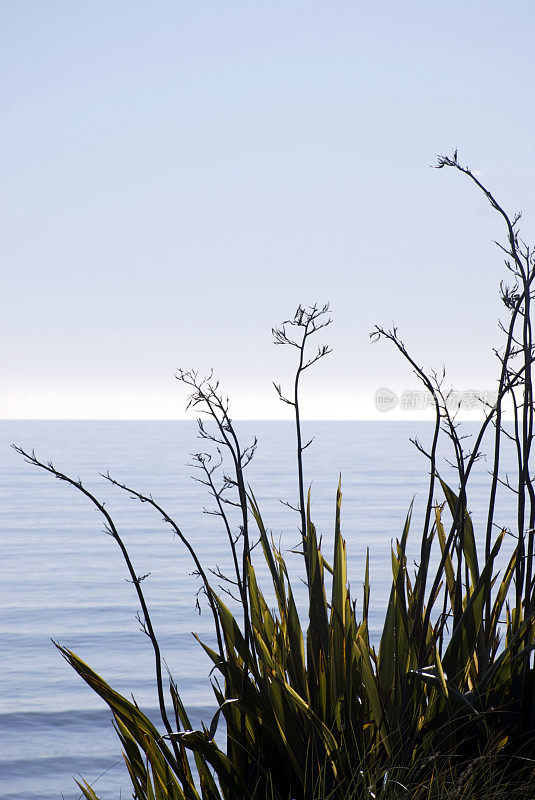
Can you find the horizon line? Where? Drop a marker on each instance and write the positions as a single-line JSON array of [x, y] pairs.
[[234, 419]]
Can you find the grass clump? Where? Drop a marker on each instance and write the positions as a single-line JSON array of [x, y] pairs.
[[444, 706]]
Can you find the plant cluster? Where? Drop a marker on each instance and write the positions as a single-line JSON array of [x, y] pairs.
[[443, 706]]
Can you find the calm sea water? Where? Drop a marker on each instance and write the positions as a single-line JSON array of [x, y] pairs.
[[62, 577]]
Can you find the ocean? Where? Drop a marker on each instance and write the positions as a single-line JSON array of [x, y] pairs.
[[62, 577]]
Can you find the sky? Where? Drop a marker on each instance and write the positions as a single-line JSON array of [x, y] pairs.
[[178, 176]]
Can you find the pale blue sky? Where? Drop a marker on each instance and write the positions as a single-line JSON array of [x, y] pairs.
[[177, 176]]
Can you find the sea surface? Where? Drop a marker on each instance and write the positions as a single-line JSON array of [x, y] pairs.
[[62, 577]]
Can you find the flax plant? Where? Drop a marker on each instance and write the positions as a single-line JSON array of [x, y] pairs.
[[443, 705]]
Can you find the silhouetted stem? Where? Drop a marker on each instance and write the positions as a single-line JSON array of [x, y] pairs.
[[112, 530]]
